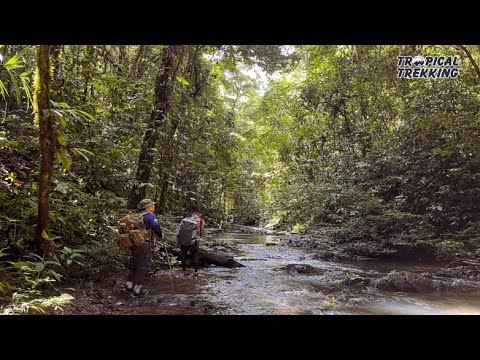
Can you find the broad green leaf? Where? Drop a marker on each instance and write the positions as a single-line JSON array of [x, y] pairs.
[[8, 219], [59, 104], [52, 262], [14, 59], [57, 276], [15, 84], [81, 152], [3, 90], [39, 267], [68, 162], [61, 138], [26, 89], [37, 256], [58, 115], [62, 187], [84, 114], [85, 151], [35, 186], [45, 235], [21, 264], [182, 80], [64, 158]]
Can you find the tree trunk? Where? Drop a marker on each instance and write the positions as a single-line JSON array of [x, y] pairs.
[[133, 70], [169, 161], [46, 147], [163, 195], [169, 146], [472, 60], [163, 87]]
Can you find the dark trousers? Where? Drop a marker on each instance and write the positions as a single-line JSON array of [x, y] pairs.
[[193, 251], [140, 263]]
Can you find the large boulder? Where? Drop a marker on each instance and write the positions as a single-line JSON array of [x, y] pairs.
[[293, 269], [462, 269], [408, 282]]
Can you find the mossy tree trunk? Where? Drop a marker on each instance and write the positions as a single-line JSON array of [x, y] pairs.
[[47, 143], [163, 92]]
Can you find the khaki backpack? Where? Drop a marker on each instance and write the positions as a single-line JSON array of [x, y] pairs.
[[132, 231]]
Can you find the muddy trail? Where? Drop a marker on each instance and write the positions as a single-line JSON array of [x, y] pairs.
[[286, 280]]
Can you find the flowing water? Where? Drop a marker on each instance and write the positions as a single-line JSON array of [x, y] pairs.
[[258, 288]]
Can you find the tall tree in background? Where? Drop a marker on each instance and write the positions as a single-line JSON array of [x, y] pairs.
[[163, 92], [42, 100]]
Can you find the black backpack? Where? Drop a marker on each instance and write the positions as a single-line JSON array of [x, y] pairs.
[[187, 231]]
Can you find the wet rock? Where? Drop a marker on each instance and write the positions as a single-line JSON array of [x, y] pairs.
[[299, 241], [272, 243], [416, 251], [408, 282], [324, 255], [354, 279], [321, 246], [214, 230], [293, 269], [251, 259], [465, 271]]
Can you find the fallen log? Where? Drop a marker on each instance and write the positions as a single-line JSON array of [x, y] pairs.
[[204, 256], [209, 257]]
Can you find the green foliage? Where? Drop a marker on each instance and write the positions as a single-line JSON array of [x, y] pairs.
[[306, 135], [11, 67], [348, 143], [21, 304], [100, 258], [26, 285]]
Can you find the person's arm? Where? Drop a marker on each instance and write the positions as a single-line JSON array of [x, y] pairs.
[[153, 223], [157, 230], [202, 227]]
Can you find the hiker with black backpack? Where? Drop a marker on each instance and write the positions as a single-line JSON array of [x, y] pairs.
[[190, 229], [137, 237]]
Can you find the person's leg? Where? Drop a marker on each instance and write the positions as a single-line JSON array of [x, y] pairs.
[[194, 250], [132, 270], [184, 253], [143, 258]]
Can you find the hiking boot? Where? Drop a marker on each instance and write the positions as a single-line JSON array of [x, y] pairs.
[[127, 289], [142, 292]]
